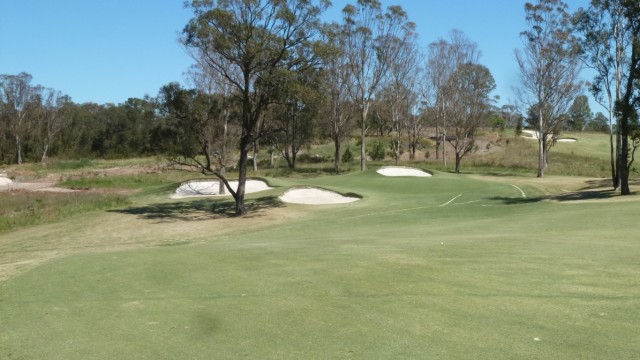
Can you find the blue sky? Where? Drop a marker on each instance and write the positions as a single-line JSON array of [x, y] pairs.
[[111, 50]]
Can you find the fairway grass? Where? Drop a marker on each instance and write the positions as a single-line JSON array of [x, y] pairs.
[[450, 267]]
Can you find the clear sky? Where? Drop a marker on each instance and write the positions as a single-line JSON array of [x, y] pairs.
[[106, 51]]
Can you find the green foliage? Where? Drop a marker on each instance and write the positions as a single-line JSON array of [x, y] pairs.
[[377, 150], [347, 156]]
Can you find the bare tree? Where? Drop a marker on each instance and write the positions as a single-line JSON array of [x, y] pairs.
[[549, 69], [247, 42]]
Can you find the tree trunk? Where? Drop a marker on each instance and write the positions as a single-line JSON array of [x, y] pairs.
[[363, 155], [44, 152], [242, 179], [18, 150], [336, 157], [541, 144], [614, 173], [255, 156], [623, 171], [458, 160], [221, 187]]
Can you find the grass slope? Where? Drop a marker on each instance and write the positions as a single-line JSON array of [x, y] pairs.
[[448, 267]]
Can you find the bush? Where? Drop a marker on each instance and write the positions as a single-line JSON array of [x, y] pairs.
[[347, 157], [377, 150]]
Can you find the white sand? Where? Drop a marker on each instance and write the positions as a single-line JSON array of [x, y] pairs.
[[535, 136], [402, 171], [5, 181], [211, 187], [315, 196]]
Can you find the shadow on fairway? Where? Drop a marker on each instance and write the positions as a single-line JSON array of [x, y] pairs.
[[201, 209], [567, 197]]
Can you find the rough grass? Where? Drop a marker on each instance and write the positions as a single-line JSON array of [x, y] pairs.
[[21, 208]]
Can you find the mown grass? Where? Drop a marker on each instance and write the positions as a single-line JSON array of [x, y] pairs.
[[448, 267]]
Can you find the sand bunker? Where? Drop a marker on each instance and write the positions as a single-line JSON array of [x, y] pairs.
[[402, 171], [211, 187], [315, 196], [4, 181], [534, 135]]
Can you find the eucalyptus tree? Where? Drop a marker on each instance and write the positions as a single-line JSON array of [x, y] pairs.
[[248, 42], [337, 109], [400, 84], [549, 69], [367, 33], [628, 106], [20, 102], [290, 123], [607, 30], [469, 104], [579, 114], [53, 117], [444, 58]]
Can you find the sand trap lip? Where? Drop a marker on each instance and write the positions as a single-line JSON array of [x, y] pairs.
[[402, 171], [196, 188], [315, 196]]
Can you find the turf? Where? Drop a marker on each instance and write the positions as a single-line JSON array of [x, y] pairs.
[[449, 267]]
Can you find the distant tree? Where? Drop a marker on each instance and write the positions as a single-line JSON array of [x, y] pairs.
[[468, 106], [53, 118], [579, 114], [367, 33], [599, 123], [248, 43], [444, 58], [292, 120], [20, 102], [338, 111], [549, 69]]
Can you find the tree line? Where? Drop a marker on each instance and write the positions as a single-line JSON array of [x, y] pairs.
[[270, 74]]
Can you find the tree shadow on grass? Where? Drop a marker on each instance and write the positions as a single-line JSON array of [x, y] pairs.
[[580, 195], [200, 209]]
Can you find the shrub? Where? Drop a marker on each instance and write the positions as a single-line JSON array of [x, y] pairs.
[[377, 150], [347, 157]]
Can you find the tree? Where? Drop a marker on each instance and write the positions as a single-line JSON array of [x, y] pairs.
[[599, 123], [627, 107], [367, 33], [292, 120], [400, 85], [468, 106], [443, 59], [338, 110], [53, 118], [579, 114], [248, 42], [604, 46], [19, 101], [549, 69]]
